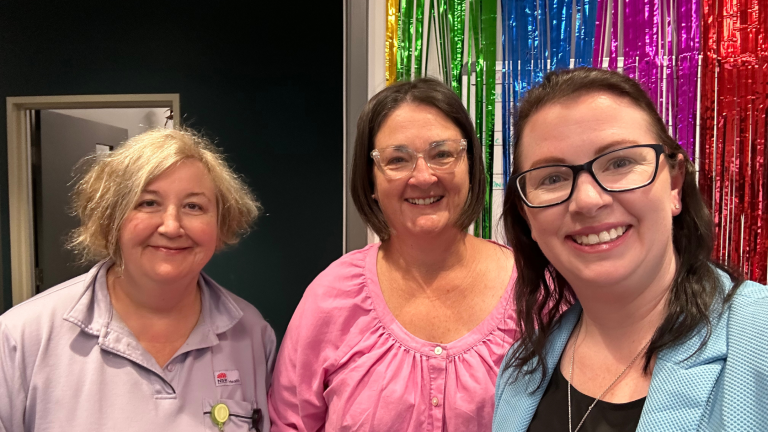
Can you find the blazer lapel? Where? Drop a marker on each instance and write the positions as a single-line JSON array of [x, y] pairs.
[[683, 382], [523, 398]]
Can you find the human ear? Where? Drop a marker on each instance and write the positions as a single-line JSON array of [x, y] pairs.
[[677, 179]]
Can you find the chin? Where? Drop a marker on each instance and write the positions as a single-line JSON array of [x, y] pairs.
[[603, 274], [172, 273]]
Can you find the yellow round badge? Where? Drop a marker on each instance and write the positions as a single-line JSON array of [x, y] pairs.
[[219, 415]]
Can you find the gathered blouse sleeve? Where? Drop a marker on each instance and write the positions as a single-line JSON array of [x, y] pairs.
[[325, 319]]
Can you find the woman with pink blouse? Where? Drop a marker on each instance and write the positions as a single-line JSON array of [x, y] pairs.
[[407, 334]]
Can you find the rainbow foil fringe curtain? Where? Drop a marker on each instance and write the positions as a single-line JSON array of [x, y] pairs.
[[704, 63]]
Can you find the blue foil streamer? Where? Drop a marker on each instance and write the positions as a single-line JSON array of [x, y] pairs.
[[539, 36]]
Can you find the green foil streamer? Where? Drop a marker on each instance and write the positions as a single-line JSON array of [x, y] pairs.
[[404, 38], [475, 32], [456, 16], [443, 38], [418, 29], [488, 46]]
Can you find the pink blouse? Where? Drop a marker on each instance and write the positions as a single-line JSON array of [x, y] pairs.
[[346, 364]]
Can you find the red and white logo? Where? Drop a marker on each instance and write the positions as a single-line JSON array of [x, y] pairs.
[[227, 378]]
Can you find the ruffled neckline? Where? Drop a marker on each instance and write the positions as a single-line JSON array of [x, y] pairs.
[[489, 325]]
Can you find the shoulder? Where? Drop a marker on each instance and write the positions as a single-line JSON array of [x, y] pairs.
[[251, 322], [336, 306], [492, 250], [518, 395], [348, 271], [342, 285], [746, 324], [45, 310]]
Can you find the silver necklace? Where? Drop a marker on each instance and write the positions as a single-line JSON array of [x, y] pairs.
[[570, 378]]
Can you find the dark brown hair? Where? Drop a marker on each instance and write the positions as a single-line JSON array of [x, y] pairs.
[[424, 91], [541, 292]]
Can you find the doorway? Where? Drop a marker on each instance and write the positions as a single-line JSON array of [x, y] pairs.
[[47, 137]]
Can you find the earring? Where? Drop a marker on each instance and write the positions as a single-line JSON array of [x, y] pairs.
[[677, 206]]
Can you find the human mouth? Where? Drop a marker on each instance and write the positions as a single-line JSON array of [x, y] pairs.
[[601, 237], [425, 201], [168, 249]]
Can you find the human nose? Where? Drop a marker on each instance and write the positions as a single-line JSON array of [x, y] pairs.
[[171, 224], [422, 174], [588, 197]]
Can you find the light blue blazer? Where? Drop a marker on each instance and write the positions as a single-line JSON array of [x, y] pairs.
[[722, 387]]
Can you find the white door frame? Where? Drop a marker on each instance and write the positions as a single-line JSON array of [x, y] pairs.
[[20, 171]]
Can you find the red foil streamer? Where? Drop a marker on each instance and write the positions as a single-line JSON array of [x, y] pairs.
[[733, 176]]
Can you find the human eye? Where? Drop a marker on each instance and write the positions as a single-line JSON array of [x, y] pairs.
[[548, 178], [395, 158], [443, 154], [195, 207], [551, 180], [620, 163], [147, 203]]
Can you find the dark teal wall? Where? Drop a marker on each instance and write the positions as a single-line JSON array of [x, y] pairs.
[[265, 81]]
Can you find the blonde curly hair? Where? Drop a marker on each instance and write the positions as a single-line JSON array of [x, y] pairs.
[[111, 184]]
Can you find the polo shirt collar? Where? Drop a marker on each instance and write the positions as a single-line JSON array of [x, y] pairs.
[[93, 313]]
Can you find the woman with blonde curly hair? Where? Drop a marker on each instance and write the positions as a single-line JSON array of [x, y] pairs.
[[145, 340]]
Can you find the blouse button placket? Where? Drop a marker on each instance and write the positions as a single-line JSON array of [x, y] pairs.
[[437, 370]]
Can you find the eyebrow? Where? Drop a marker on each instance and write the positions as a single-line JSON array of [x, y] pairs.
[[405, 146], [556, 160], [189, 195]]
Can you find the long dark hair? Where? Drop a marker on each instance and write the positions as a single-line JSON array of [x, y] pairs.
[[541, 292]]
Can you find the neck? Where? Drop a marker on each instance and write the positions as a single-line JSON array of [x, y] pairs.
[[627, 314], [428, 255], [152, 310]]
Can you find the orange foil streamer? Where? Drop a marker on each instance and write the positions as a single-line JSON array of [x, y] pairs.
[[733, 177], [390, 49]]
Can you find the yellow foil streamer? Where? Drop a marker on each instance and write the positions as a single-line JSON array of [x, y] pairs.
[[390, 53]]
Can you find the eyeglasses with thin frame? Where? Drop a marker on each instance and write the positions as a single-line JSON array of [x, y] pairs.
[[619, 170], [400, 160]]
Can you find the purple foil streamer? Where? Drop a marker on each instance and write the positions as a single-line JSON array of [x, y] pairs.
[[652, 28], [615, 11], [597, 53], [689, 46]]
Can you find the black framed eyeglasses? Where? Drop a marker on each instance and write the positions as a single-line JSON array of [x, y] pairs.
[[619, 170]]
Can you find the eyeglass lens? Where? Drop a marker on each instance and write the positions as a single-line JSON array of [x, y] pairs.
[[616, 171], [399, 161]]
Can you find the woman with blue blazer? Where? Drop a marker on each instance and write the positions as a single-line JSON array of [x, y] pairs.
[[626, 323]]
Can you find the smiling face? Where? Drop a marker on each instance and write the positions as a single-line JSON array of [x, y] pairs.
[[172, 231], [598, 238], [424, 202]]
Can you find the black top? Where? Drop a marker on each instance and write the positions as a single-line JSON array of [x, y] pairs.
[[552, 412]]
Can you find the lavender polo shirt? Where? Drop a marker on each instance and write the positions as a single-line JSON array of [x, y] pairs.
[[69, 363]]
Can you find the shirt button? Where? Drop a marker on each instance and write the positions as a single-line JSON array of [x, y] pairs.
[[438, 350], [171, 367], [435, 402]]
